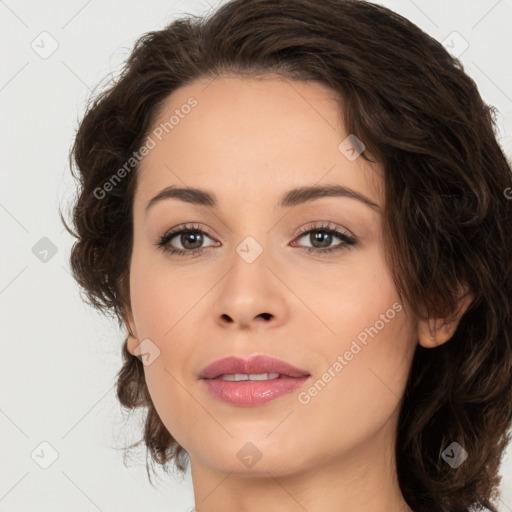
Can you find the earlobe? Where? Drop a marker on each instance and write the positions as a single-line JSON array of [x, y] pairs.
[[433, 332]]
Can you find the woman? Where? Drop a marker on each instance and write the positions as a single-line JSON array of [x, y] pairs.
[[302, 221]]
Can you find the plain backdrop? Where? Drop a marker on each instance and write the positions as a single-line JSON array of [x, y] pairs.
[[60, 422]]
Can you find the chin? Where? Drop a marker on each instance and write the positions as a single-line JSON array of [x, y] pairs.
[[255, 458]]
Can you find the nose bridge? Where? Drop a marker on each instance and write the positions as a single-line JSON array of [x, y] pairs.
[[250, 292], [249, 263], [252, 233]]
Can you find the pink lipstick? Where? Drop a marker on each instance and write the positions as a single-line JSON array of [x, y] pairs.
[[252, 381]]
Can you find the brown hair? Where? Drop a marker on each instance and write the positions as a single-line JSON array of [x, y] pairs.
[[447, 219]]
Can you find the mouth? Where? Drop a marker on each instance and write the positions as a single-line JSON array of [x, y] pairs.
[[259, 367], [252, 381], [238, 377]]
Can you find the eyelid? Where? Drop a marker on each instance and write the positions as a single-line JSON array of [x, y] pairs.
[[313, 225], [328, 226], [173, 232]]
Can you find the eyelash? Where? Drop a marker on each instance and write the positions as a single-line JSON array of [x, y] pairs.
[[347, 240]]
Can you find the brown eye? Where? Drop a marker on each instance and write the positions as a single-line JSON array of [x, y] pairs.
[[194, 238], [321, 237], [184, 241]]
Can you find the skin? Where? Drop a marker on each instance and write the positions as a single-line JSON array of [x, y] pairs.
[[249, 141]]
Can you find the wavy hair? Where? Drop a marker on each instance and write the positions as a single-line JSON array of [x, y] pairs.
[[447, 219]]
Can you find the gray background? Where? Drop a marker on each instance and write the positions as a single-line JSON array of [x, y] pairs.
[[59, 356]]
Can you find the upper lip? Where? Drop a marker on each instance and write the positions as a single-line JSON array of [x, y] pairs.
[[254, 364]]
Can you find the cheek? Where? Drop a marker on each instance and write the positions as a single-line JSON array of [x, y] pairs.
[[374, 336], [160, 294], [363, 379], [163, 300], [349, 298]]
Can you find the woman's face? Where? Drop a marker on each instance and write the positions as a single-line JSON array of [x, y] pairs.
[[257, 285]]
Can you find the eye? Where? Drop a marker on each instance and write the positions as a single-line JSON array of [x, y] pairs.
[[191, 239], [322, 236]]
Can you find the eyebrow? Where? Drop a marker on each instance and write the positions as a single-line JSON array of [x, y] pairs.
[[291, 198]]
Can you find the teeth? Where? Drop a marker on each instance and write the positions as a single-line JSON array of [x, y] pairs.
[[251, 376]]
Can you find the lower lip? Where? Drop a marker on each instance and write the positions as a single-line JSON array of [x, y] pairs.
[[250, 393]]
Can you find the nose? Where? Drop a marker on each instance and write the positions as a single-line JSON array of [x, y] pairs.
[[246, 324], [251, 296]]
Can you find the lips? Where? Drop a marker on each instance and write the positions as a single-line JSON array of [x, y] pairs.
[[254, 391], [256, 364]]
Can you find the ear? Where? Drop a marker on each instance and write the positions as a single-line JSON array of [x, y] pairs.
[[433, 332], [127, 315], [133, 341]]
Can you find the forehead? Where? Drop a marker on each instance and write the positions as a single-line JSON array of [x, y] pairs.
[[255, 134]]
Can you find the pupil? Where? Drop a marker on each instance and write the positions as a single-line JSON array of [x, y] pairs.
[[194, 237], [326, 239]]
